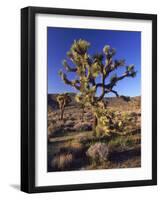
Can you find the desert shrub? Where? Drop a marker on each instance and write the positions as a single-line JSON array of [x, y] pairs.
[[98, 152], [85, 139], [122, 143], [88, 116], [124, 123], [62, 161], [57, 130], [112, 123], [50, 128], [60, 127], [69, 123], [85, 126], [75, 148], [125, 98], [133, 114], [139, 114]]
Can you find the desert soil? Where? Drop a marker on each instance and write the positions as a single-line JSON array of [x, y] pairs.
[[70, 139]]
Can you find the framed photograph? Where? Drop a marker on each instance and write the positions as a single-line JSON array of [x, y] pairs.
[[88, 99]]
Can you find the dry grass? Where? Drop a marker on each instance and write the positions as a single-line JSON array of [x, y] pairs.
[[76, 148], [62, 162], [123, 143]]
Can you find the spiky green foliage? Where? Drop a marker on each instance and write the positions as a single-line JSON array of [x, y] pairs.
[[88, 70], [103, 120]]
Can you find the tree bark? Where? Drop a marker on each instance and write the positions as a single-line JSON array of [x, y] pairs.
[[82, 113], [94, 124], [62, 113]]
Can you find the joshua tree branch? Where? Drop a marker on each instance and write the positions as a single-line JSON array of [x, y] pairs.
[[68, 68], [124, 75], [113, 91], [92, 81], [111, 84], [103, 88], [68, 82], [111, 66]]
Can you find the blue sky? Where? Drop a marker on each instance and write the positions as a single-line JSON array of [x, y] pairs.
[[126, 43]]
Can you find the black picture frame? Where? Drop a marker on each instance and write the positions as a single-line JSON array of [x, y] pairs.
[[28, 98]]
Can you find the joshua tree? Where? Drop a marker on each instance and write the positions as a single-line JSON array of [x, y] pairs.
[[63, 100], [81, 103], [94, 73]]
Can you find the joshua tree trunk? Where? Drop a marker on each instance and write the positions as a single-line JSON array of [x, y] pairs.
[[82, 113], [94, 124], [62, 114]]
